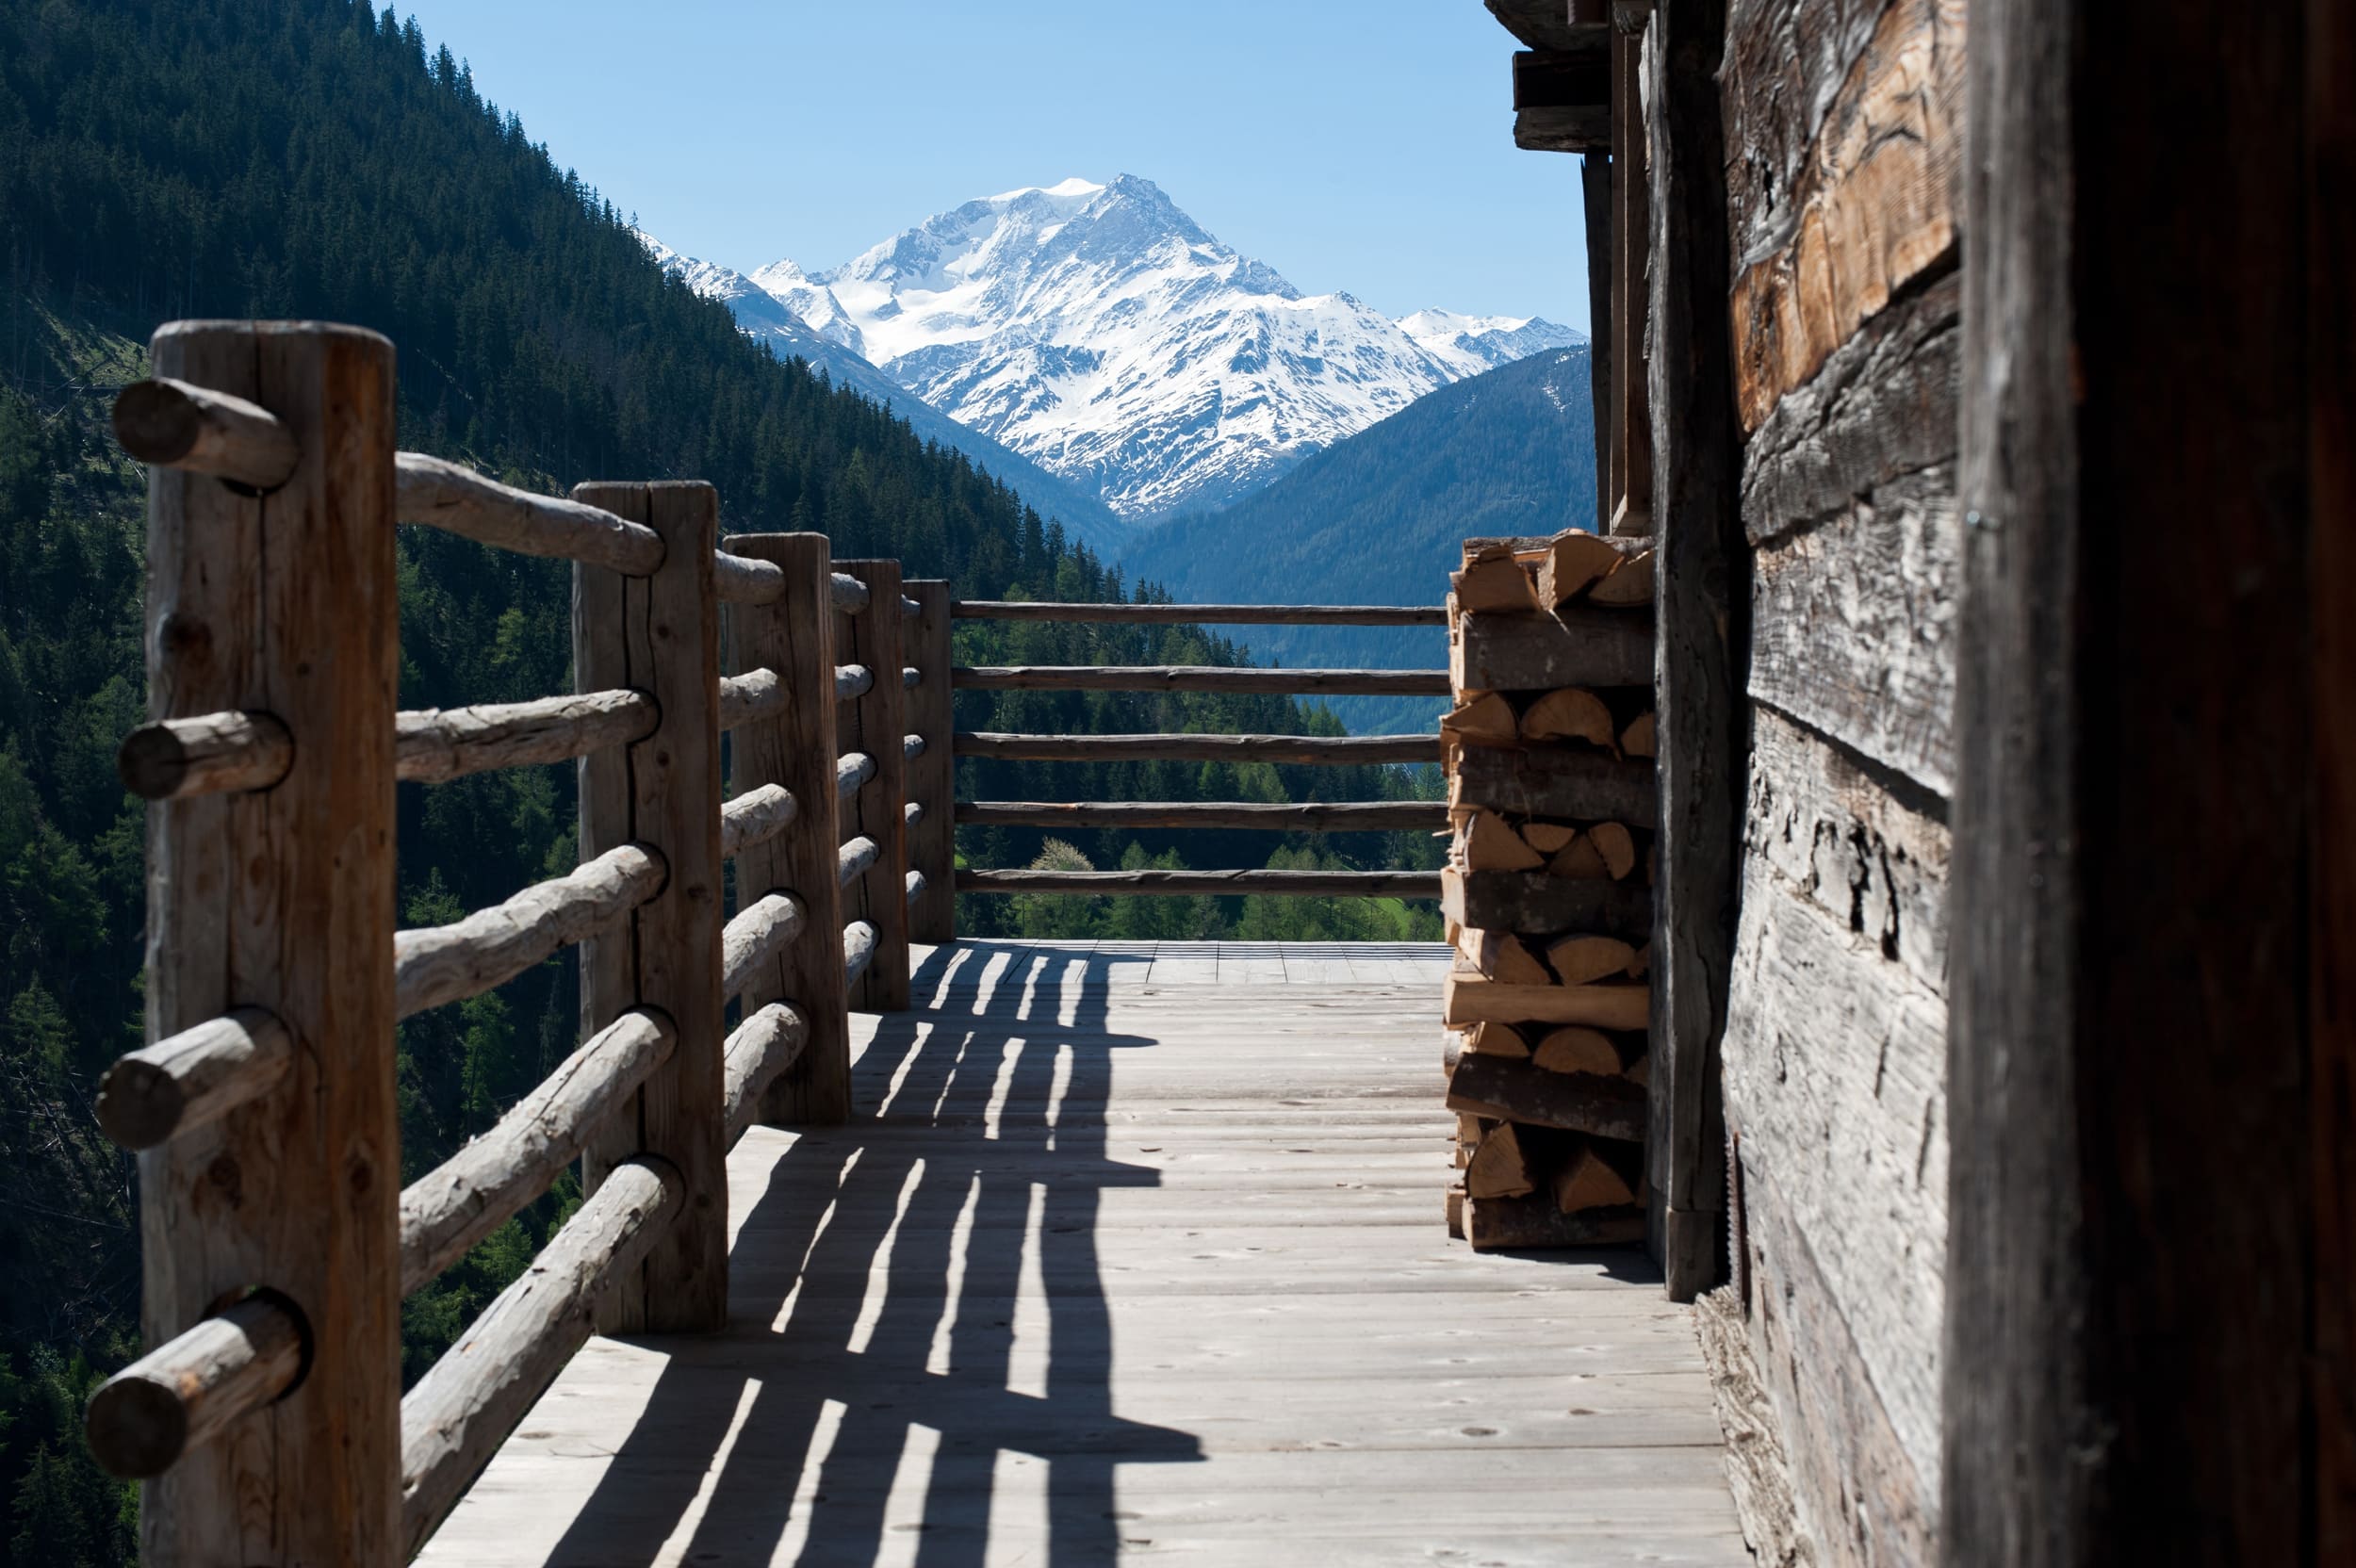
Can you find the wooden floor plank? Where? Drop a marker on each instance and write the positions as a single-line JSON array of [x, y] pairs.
[[1133, 1253]]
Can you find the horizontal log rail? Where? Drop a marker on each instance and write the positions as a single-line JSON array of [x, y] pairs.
[[738, 581], [852, 680], [1340, 816], [445, 1212], [765, 1044], [911, 747], [432, 745], [171, 424], [853, 858], [849, 593], [755, 817], [179, 1083], [210, 754], [463, 1407], [911, 678], [1203, 748], [912, 813], [1198, 678], [753, 937], [915, 883], [853, 772], [859, 949], [436, 965], [191, 1388], [1203, 615], [750, 698], [454, 498], [1295, 884]]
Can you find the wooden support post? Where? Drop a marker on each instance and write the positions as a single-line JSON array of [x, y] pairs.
[[1631, 243], [876, 723], [283, 603], [932, 778], [794, 747], [1703, 615], [1594, 185], [659, 634], [2135, 1142]]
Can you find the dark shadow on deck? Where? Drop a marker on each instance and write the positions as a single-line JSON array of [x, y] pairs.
[[888, 1191]]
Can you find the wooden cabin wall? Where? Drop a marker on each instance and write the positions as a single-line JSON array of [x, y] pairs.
[[1842, 125]]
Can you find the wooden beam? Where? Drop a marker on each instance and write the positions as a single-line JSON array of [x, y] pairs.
[[1347, 816], [755, 936], [1582, 645], [1204, 748], [2131, 1177], [769, 1041], [1595, 190], [1585, 784], [931, 778], [1305, 884], [436, 965], [755, 817], [205, 755], [1204, 614], [878, 725], [172, 424], [1199, 677], [456, 499], [180, 1083], [1535, 903], [1555, 25], [184, 1394], [434, 746], [1630, 506]]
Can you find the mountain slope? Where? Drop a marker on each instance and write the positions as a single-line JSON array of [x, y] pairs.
[[767, 319], [1101, 332], [1379, 519]]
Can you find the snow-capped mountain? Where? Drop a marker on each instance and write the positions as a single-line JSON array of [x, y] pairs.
[[1103, 334]]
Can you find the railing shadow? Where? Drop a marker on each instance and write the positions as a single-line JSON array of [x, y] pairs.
[[981, 1121]]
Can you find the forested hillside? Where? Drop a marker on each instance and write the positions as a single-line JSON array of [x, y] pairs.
[[293, 157], [1380, 519]]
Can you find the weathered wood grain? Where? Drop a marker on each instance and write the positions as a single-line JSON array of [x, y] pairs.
[[755, 817], [432, 745], [456, 499], [1493, 1085], [436, 965], [1580, 646], [1853, 626], [877, 724], [755, 936], [492, 1178], [1493, 1224], [1870, 208], [754, 695], [740, 579], [458, 1413], [1882, 406], [180, 1083], [283, 901], [764, 1045], [199, 430], [795, 750], [1758, 1469], [204, 755], [932, 778], [1582, 783], [192, 1389], [853, 773], [1534, 903], [1471, 997], [663, 631]]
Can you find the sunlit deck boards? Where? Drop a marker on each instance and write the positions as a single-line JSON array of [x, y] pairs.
[[1138, 1257]]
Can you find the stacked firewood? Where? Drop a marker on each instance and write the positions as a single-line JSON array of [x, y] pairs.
[[1547, 892]]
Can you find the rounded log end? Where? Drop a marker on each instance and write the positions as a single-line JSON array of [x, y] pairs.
[[136, 1428], [153, 762], [155, 422], [139, 1104]]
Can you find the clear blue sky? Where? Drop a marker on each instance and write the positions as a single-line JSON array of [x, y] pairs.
[[1364, 146]]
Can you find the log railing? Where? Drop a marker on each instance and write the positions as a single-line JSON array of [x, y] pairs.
[[266, 1420], [1314, 817]]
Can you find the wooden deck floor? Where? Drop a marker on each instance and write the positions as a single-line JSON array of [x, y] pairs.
[[1135, 1256]]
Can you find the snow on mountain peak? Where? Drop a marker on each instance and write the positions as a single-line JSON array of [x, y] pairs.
[[1101, 332]]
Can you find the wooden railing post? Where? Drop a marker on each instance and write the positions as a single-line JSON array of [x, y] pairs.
[[659, 634], [876, 723], [793, 637], [282, 900], [932, 778]]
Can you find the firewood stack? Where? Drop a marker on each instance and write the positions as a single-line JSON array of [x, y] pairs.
[[1549, 889]]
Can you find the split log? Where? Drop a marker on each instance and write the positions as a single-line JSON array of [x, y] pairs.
[[191, 1389], [1204, 748], [456, 499], [1562, 782], [1487, 843], [757, 1051], [1548, 837], [1456, 1210], [1588, 1181], [436, 965], [1499, 1169], [1502, 956], [1452, 1050], [1508, 1091], [1580, 858], [1640, 965], [1523, 901], [1576, 1047], [1497, 1224], [432, 745], [445, 1212], [1495, 582], [1572, 560], [1482, 716], [754, 936], [184, 1081], [1628, 584], [853, 770], [1199, 677], [1571, 714], [1353, 816], [1203, 615], [1639, 738], [1471, 997], [1617, 846], [1497, 1039], [171, 424], [1578, 646], [211, 754], [740, 579], [1317, 884], [755, 817], [1576, 960], [859, 951], [462, 1409]]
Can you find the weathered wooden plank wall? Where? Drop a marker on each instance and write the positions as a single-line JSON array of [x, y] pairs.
[[1842, 124]]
